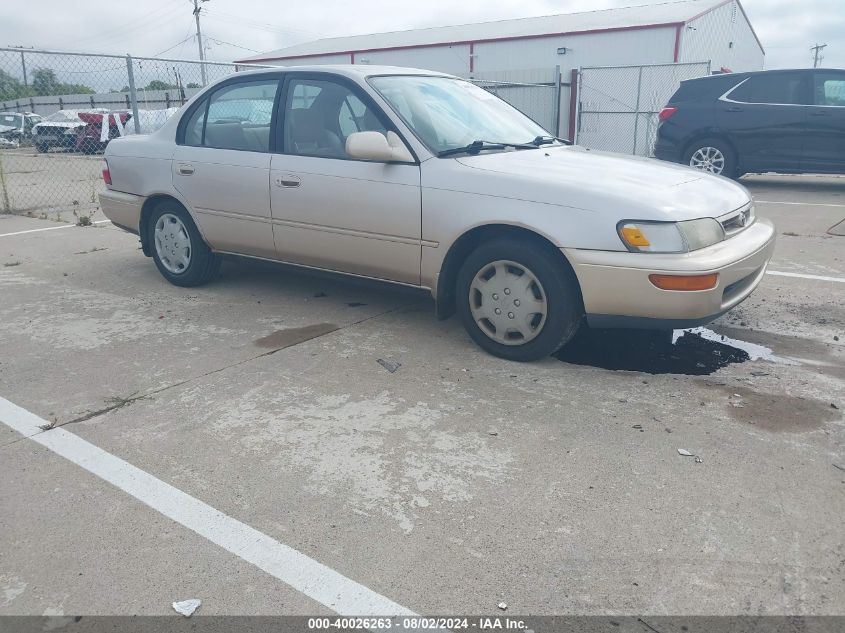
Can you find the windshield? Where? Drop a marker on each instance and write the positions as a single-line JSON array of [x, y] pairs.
[[11, 119], [447, 113]]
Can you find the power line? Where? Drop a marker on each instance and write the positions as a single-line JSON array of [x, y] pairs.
[[214, 39]]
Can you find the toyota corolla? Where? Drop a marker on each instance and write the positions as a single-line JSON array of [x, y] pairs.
[[427, 180]]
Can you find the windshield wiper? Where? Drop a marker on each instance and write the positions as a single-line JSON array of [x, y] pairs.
[[548, 140], [477, 146]]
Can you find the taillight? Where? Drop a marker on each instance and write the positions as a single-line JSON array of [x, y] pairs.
[[106, 173], [666, 113]]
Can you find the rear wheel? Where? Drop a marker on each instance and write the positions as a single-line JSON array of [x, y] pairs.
[[42, 147], [179, 252], [517, 300], [712, 155]]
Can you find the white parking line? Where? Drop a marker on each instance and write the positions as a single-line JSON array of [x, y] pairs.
[[49, 228], [315, 580], [777, 273], [800, 204]]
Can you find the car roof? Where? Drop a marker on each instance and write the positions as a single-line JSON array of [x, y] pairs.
[[355, 71], [753, 73]]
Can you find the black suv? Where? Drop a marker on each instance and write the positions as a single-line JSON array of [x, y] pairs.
[[787, 121]]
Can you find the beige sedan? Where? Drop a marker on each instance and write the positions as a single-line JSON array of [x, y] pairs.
[[427, 180]]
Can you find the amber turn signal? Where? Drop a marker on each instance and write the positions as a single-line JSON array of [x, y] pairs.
[[685, 282]]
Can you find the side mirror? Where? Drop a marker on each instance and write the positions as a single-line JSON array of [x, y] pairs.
[[377, 147]]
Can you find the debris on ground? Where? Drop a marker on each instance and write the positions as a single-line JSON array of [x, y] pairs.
[[389, 364], [839, 467], [833, 406], [493, 432], [503, 606], [355, 304], [684, 452], [187, 607], [759, 374], [698, 460]]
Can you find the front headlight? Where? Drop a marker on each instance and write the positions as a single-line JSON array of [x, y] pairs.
[[669, 237]]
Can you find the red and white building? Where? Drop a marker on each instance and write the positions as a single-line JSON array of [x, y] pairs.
[[687, 31]]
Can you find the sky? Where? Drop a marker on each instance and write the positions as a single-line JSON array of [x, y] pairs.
[[235, 29]]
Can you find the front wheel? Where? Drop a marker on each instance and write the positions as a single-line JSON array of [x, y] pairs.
[[518, 300], [179, 252], [712, 155]]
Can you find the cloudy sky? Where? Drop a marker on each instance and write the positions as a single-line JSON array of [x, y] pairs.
[[237, 28]]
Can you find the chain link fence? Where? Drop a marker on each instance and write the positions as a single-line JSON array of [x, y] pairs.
[[535, 92], [618, 106], [58, 111]]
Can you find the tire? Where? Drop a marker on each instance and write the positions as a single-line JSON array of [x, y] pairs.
[[179, 252], [550, 287], [42, 147], [712, 155]]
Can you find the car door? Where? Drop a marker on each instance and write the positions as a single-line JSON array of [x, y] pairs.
[[766, 118], [329, 210], [825, 139], [221, 165]]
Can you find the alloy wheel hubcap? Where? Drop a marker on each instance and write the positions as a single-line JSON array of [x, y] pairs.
[[709, 159], [508, 302], [173, 243]]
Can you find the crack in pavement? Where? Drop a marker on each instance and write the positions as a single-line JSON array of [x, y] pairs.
[[118, 402]]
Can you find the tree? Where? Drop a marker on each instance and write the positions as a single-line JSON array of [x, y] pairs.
[[45, 83], [158, 84], [193, 85], [11, 88]]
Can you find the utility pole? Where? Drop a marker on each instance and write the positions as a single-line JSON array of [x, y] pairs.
[[199, 39], [817, 49], [23, 63]]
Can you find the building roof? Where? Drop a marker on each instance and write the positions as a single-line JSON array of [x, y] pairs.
[[653, 15]]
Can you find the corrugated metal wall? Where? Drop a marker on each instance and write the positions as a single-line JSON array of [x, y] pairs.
[[724, 37]]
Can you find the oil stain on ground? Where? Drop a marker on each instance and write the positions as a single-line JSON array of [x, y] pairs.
[[649, 352], [288, 337], [778, 412]]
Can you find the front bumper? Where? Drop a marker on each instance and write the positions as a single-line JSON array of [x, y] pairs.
[[617, 291], [123, 209]]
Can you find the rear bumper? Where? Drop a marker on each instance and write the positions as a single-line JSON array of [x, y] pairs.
[[617, 292], [123, 209], [666, 150]]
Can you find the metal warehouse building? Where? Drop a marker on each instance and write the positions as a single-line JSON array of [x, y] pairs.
[[685, 39]]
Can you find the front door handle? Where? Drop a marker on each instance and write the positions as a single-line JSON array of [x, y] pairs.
[[288, 180], [185, 169], [734, 109], [819, 113]]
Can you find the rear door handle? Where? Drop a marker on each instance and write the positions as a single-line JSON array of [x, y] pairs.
[[185, 169], [734, 109], [288, 180], [819, 113]]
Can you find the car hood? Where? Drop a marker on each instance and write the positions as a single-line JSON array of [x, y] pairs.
[[627, 186], [59, 124], [8, 128]]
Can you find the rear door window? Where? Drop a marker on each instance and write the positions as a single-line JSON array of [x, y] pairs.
[[829, 89], [235, 117], [773, 89]]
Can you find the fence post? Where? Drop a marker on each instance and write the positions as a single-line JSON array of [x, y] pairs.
[[133, 95], [557, 101], [637, 109], [574, 107]]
